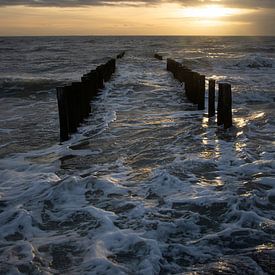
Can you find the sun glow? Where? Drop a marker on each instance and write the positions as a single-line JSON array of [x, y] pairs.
[[213, 11]]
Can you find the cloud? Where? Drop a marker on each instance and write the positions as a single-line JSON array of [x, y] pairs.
[[80, 3], [75, 3]]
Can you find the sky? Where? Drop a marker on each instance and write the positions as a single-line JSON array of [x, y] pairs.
[[131, 17]]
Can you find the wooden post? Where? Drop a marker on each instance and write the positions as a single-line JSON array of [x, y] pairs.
[[72, 113], [120, 55], [100, 76], [169, 64], [188, 85], [172, 65], [93, 82], [201, 92], [113, 65], [63, 113], [211, 97], [157, 56], [225, 105], [195, 86], [220, 114], [87, 90], [78, 102]]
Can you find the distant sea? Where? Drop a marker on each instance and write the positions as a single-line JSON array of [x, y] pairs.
[[148, 185]]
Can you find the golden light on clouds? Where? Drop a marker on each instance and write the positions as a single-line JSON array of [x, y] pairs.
[[211, 11], [161, 19], [204, 17]]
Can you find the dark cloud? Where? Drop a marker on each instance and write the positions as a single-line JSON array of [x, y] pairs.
[[268, 5], [75, 3], [250, 3], [79, 3]]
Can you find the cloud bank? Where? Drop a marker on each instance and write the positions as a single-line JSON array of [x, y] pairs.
[[80, 3]]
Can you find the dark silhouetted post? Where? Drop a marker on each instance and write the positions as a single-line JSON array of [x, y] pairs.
[[225, 105], [100, 76], [211, 97], [220, 114], [201, 92], [63, 113], [78, 102], [71, 96], [158, 56], [120, 55], [195, 87]]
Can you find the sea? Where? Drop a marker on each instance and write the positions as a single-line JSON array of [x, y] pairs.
[[148, 184]]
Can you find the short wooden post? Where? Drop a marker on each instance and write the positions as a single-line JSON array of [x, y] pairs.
[[211, 97], [225, 105], [157, 56], [201, 92], [78, 102], [63, 113], [195, 86], [172, 65], [100, 76], [93, 82], [113, 65], [72, 112], [120, 55], [188, 85], [86, 88], [220, 108]]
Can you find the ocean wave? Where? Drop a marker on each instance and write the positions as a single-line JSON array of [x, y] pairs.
[[11, 86], [197, 62], [255, 62]]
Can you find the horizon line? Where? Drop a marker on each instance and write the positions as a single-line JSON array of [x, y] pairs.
[[138, 35]]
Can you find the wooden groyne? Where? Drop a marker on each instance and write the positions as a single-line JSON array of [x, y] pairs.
[[195, 91], [74, 100]]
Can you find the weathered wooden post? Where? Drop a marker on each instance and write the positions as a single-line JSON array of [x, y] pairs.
[[113, 65], [195, 86], [201, 92], [169, 64], [120, 55], [94, 82], [211, 97], [63, 113], [225, 105], [100, 76], [87, 96], [109, 69], [78, 102], [157, 56], [220, 115], [188, 85], [172, 65], [72, 112]]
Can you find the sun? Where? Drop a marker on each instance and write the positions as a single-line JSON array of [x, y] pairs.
[[208, 12]]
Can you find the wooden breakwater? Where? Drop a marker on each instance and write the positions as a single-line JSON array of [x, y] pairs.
[[195, 91], [74, 99]]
